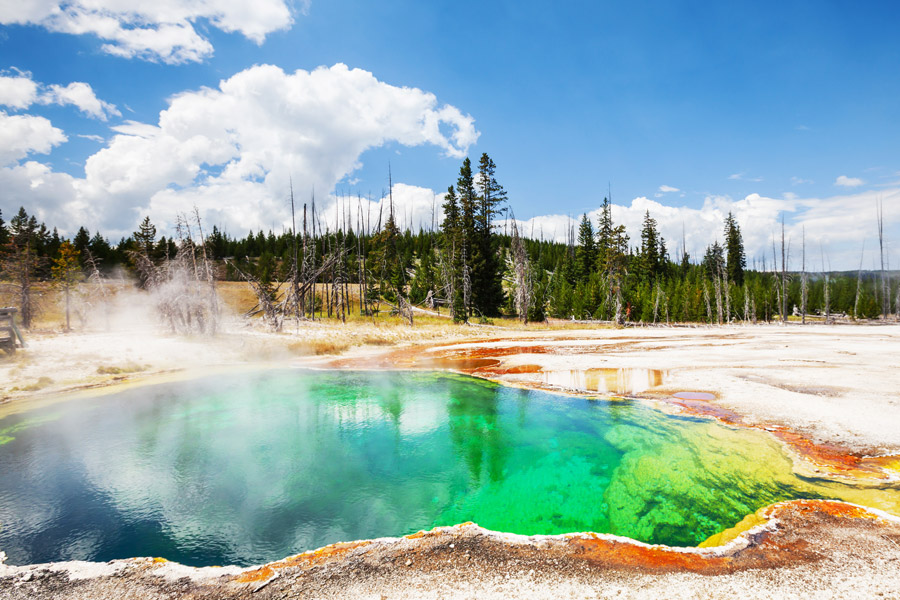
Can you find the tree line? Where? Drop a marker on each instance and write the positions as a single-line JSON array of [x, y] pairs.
[[468, 266]]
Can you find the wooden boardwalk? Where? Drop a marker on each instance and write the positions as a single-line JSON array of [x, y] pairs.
[[9, 333]]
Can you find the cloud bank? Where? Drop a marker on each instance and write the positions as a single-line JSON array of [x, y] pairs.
[[835, 227], [233, 150], [160, 31]]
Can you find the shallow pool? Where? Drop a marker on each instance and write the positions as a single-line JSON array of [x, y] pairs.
[[249, 468]]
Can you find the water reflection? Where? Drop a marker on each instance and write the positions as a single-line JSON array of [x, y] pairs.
[[605, 381], [476, 431]]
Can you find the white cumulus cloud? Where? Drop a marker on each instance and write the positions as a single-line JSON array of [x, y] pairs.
[[80, 95], [21, 135], [19, 91], [668, 188], [163, 30], [232, 150], [844, 181]]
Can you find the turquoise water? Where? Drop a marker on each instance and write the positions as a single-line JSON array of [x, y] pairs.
[[250, 468]]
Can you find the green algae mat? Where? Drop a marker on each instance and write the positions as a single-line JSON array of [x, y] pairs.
[[250, 468]]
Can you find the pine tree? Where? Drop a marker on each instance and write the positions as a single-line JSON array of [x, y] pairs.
[[605, 235], [384, 259], [144, 241], [4, 233], [585, 253], [487, 289], [714, 260], [100, 248], [451, 241], [215, 242], [685, 263], [468, 203], [650, 259], [663, 258], [22, 262], [734, 245], [81, 240], [145, 236], [52, 247]]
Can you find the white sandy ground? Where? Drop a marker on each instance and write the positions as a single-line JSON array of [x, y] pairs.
[[836, 384]]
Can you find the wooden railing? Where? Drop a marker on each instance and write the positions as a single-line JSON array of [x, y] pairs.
[[9, 333]]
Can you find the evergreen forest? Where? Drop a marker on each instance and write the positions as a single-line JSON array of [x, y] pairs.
[[473, 265]]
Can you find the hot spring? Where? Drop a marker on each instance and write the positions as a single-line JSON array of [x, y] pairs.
[[249, 468]]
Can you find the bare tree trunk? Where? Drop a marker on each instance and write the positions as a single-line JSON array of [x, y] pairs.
[[210, 275], [783, 276], [775, 278], [897, 304], [885, 293], [656, 304], [859, 282], [727, 289], [706, 298], [303, 268], [620, 316], [717, 286], [521, 274], [97, 279], [804, 281], [747, 304]]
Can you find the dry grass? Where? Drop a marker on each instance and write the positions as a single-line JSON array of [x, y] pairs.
[[121, 370], [381, 329], [40, 384], [236, 296], [50, 302], [319, 346]]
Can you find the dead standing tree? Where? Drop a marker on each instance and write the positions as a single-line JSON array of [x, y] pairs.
[[804, 281], [783, 276], [826, 275], [885, 288], [275, 306], [182, 287], [862, 254], [99, 291], [522, 284]]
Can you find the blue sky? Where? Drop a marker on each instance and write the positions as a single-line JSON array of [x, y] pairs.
[[685, 109]]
